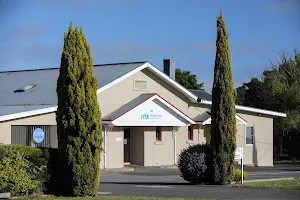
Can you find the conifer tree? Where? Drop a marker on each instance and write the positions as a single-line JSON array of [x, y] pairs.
[[223, 122], [78, 119]]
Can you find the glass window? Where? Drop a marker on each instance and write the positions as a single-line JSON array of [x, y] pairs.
[[249, 135], [190, 133], [23, 134], [158, 133]]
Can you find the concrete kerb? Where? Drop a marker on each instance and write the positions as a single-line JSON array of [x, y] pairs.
[[116, 170], [265, 180], [270, 179], [168, 167]]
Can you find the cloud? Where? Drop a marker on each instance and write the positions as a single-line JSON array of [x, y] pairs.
[[286, 6], [210, 48], [247, 48], [125, 50], [41, 52], [26, 32], [36, 55]]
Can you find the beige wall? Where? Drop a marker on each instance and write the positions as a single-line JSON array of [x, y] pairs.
[[5, 127], [182, 138], [262, 149], [261, 152], [123, 92], [240, 141], [115, 149], [149, 139], [137, 145], [158, 152]]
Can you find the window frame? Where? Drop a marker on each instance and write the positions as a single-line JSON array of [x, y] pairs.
[[158, 134], [252, 135]]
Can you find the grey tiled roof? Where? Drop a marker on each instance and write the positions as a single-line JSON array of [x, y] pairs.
[[202, 117], [202, 94], [44, 93], [7, 110], [130, 105]]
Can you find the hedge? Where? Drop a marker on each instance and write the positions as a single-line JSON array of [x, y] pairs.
[[21, 169]]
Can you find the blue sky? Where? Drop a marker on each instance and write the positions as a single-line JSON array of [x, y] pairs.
[[32, 32]]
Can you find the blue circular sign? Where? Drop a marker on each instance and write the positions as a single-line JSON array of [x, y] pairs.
[[38, 135]]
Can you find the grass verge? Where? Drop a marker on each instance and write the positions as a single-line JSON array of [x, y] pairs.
[[288, 184]]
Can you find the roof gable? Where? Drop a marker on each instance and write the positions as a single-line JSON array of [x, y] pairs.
[[148, 110], [205, 118]]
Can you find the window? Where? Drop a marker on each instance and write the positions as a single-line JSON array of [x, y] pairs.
[[25, 88], [190, 133], [23, 134], [249, 135], [158, 133]]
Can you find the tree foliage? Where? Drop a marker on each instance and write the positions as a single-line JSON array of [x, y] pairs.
[[278, 90], [78, 118], [223, 122], [188, 80]]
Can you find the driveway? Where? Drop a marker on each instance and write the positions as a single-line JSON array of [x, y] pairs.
[[160, 182]]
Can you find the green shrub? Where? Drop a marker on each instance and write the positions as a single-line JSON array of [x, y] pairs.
[[34, 155], [237, 175], [192, 163], [18, 175]]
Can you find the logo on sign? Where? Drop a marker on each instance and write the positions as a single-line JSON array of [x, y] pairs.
[[151, 115], [144, 116], [38, 135]]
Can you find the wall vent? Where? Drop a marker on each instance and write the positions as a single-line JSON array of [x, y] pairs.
[[140, 85], [25, 88]]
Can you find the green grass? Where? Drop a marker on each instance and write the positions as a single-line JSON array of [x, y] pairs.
[[107, 198], [288, 184]]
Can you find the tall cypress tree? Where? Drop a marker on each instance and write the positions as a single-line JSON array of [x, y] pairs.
[[78, 119], [223, 122]]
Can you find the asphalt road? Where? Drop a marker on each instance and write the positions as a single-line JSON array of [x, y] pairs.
[[157, 182]]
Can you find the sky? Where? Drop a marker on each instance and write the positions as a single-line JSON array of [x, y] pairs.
[[32, 31]]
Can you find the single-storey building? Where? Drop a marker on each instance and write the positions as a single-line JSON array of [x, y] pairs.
[[147, 117]]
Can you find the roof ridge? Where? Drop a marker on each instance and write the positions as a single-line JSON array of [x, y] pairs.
[[94, 65]]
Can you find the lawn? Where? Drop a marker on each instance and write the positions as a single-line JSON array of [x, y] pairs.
[[288, 184], [108, 198]]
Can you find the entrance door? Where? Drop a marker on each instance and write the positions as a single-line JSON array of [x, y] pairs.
[[126, 145]]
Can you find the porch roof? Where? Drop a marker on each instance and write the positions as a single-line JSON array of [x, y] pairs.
[[148, 110], [205, 118]]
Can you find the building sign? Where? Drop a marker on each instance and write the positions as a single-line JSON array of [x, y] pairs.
[[238, 153], [151, 115], [38, 135], [239, 156]]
